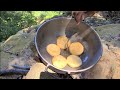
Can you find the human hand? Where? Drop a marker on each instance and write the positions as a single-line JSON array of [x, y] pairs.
[[81, 15]]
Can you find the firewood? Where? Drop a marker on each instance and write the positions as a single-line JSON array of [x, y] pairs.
[[13, 71], [21, 67]]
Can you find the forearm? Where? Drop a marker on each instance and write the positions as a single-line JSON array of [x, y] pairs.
[[81, 15]]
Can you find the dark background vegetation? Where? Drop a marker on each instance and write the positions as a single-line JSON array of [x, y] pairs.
[[13, 21]]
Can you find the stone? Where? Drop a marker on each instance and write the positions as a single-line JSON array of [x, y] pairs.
[[17, 48], [108, 67], [36, 70]]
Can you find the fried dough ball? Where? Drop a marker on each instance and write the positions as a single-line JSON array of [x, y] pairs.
[[76, 48], [62, 42], [59, 61], [53, 49], [74, 61], [68, 44]]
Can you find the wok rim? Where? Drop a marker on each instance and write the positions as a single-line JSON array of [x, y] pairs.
[[63, 70]]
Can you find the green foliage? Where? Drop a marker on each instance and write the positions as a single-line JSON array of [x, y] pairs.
[[13, 21], [46, 14]]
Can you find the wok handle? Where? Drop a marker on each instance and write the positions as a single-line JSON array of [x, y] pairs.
[[76, 76], [47, 67]]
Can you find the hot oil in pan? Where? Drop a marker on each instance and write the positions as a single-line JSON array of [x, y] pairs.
[[83, 56], [65, 53], [80, 37]]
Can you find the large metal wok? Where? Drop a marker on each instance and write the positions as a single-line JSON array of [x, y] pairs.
[[48, 32]]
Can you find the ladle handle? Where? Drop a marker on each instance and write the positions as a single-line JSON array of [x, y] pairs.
[[52, 75], [47, 67]]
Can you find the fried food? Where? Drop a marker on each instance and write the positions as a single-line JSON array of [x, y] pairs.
[[53, 49], [76, 48], [68, 44], [74, 61], [59, 61], [62, 42]]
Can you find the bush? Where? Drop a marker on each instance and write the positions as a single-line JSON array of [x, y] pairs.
[[43, 15], [13, 21]]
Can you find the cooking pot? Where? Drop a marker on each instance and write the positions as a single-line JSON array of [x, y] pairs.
[[48, 32]]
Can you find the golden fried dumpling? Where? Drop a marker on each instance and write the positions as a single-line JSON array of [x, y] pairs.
[[74, 61], [68, 44], [53, 49], [76, 48], [59, 61], [62, 42]]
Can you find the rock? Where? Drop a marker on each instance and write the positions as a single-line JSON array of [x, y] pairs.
[[17, 49], [36, 70], [108, 67], [108, 32]]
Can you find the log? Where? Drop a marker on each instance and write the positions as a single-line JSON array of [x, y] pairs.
[[21, 67], [13, 71]]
